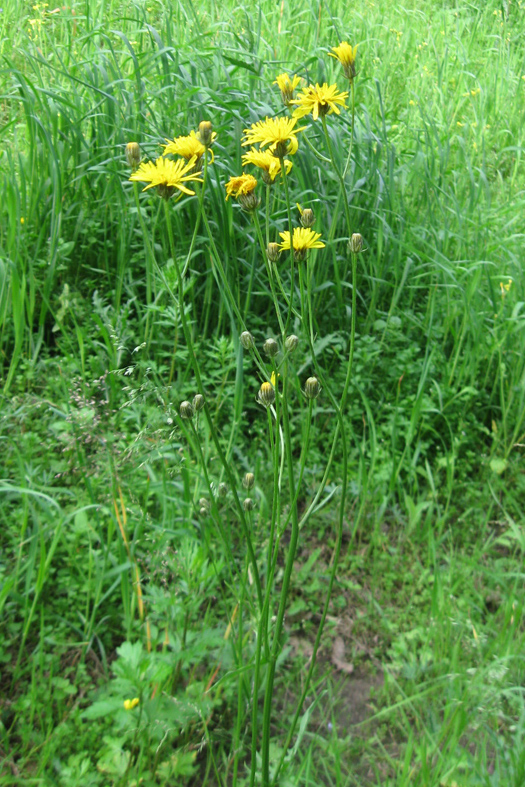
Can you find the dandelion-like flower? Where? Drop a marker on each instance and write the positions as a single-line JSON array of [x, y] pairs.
[[287, 87], [278, 133], [271, 166], [266, 395], [187, 147], [167, 175], [243, 187], [303, 240], [319, 100], [346, 54]]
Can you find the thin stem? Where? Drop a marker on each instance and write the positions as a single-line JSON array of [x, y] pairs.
[[339, 176], [292, 549], [290, 230], [349, 157], [269, 270], [200, 387]]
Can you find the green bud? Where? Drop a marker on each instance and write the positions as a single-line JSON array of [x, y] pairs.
[[248, 481], [312, 389], [271, 347], [186, 410], [247, 340], [291, 342]]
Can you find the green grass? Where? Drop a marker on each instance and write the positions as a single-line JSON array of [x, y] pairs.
[[100, 487]]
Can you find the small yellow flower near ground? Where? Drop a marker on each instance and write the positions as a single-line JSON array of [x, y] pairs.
[[319, 100], [287, 87], [346, 54], [270, 165], [303, 240], [505, 287], [168, 175], [187, 147], [278, 133], [130, 704]]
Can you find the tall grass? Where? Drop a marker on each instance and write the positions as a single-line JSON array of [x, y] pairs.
[[101, 491]]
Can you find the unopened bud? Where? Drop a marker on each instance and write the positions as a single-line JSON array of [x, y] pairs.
[[186, 410], [198, 402], [266, 394], [356, 243], [222, 489], [273, 251], [248, 504], [307, 217], [247, 340], [312, 389], [249, 202], [203, 502], [203, 511], [205, 133], [291, 342], [248, 481], [133, 155], [271, 347]]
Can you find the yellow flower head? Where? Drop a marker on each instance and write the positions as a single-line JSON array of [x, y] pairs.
[[319, 100], [346, 55], [287, 87], [187, 147], [243, 188], [130, 704], [168, 175], [243, 184], [270, 165], [278, 133], [303, 239]]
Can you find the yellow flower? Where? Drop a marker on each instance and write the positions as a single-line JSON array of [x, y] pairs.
[[270, 165], [505, 287], [319, 100], [303, 239], [243, 188], [278, 133], [243, 184], [168, 175], [346, 56], [130, 704], [187, 147], [287, 87]]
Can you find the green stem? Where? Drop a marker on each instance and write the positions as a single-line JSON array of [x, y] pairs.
[[340, 176], [339, 537], [200, 388], [292, 549], [290, 230], [349, 157], [269, 271]]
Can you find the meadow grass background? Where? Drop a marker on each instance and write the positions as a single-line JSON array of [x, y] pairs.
[[97, 488]]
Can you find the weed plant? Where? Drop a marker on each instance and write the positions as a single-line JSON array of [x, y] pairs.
[[189, 497]]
